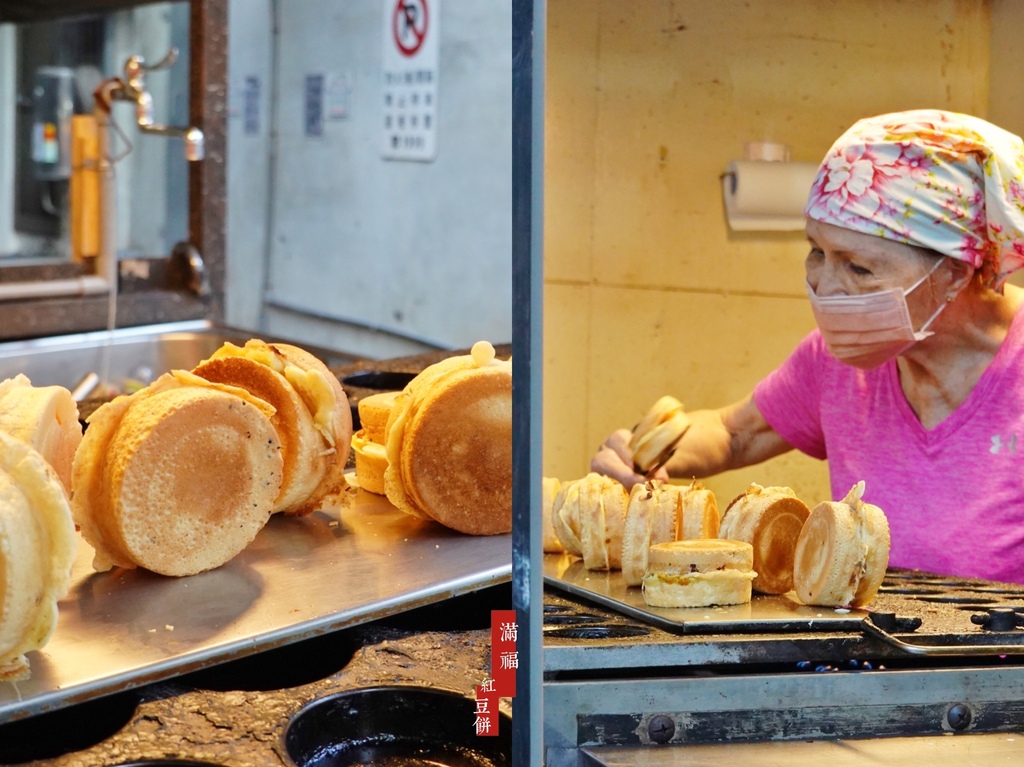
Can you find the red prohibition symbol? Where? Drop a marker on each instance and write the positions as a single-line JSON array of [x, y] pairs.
[[409, 25]]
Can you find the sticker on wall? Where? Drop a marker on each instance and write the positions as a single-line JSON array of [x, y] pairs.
[[409, 123], [338, 97], [313, 105], [251, 105], [244, 103]]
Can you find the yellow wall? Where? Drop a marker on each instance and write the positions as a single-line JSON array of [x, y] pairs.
[[647, 292]]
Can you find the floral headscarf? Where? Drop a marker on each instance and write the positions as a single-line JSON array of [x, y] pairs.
[[940, 180]]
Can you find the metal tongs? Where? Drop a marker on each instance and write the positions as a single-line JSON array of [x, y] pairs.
[[663, 456]]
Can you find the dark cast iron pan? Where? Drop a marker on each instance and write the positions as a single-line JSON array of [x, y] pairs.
[[394, 726]]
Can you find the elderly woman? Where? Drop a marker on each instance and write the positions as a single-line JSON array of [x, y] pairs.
[[914, 379]]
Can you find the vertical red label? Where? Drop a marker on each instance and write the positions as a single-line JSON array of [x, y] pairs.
[[504, 656], [486, 723]]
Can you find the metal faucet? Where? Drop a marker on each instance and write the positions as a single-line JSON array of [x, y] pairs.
[[133, 88], [192, 262]]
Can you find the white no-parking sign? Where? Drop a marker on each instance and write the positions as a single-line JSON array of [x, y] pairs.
[[411, 31]]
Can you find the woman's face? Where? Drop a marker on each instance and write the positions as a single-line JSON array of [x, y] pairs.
[[844, 262], [865, 333]]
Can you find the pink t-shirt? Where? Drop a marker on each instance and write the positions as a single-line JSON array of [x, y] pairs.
[[954, 495]]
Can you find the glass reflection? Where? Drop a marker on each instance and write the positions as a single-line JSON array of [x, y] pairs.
[[49, 71]]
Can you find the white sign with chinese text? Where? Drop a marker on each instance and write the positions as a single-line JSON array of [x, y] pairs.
[[410, 73]]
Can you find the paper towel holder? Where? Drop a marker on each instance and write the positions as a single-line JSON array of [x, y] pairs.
[[774, 192], [768, 151], [760, 151]]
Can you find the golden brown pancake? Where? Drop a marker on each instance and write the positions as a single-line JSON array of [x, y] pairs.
[[565, 517], [603, 504], [588, 520], [698, 573], [655, 437], [45, 417], [770, 519], [324, 396], [449, 445], [301, 443], [842, 552], [176, 478], [456, 457], [371, 458], [314, 419], [371, 462], [373, 415], [549, 491], [698, 515], [37, 550], [652, 516]]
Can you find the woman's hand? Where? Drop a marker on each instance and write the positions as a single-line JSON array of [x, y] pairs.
[[614, 459], [717, 440]]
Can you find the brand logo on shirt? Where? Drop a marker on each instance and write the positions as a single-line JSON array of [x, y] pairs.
[[999, 445]]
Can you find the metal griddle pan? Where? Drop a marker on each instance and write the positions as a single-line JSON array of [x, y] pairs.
[[301, 577], [763, 614]]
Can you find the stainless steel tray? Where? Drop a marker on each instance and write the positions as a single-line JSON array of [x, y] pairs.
[[762, 614], [302, 576]]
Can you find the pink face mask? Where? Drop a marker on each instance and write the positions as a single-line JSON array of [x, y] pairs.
[[869, 329]]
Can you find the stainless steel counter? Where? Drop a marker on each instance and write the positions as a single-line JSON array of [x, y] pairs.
[[299, 578], [925, 751]]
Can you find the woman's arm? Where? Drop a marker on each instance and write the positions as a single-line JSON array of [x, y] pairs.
[[718, 440], [728, 438]]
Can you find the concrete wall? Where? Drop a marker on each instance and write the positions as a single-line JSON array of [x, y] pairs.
[[251, 59], [647, 291], [333, 245]]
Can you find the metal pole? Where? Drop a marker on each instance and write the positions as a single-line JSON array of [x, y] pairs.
[[527, 296]]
